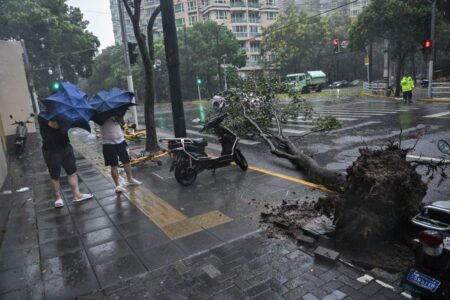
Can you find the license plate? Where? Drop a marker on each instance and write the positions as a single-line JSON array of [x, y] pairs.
[[423, 281], [447, 243]]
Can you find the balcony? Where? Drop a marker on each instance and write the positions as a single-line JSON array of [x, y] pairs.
[[254, 5], [238, 4], [254, 20], [240, 34], [253, 34], [238, 20], [253, 49], [252, 63]]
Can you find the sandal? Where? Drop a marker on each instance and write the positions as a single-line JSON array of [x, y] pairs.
[[119, 189], [59, 203], [83, 197]]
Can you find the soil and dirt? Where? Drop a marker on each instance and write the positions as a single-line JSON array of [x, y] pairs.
[[382, 191]]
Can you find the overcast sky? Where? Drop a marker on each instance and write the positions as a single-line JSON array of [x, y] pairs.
[[98, 13]]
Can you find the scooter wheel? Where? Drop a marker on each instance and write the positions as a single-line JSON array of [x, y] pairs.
[[240, 160], [184, 174]]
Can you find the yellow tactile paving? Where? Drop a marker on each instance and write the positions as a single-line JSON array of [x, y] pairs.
[[171, 221]]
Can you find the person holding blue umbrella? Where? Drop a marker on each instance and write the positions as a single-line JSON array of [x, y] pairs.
[[66, 108], [110, 108]]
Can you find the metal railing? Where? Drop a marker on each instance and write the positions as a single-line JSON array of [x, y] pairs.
[[238, 20], [240, 34], [440, 89], [375, 88], [238, 4]]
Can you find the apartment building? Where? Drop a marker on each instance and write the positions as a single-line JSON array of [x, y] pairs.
[[324, 6], [245, 18]]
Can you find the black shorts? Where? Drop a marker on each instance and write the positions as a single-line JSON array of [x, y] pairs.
[[60, 157], [115, 152]]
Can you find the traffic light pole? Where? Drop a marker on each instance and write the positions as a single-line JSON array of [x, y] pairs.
[[430, 65], [173, 66], [127, 61]]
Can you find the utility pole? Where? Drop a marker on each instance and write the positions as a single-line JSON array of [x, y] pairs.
[[225, 72], [430, 65], [386, 65], [127, 60], [173, 66]]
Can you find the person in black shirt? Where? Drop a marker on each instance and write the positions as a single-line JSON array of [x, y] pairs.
[[58, 153]]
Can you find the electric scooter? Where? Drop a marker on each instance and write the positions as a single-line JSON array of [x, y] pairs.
[[21, 134], [190, 158]]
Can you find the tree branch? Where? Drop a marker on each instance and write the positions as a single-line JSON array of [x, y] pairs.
[[128, 9]]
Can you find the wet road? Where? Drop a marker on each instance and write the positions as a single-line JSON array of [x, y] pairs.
[[366, 122]]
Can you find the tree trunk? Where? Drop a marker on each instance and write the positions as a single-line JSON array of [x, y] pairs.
[[413, 64]]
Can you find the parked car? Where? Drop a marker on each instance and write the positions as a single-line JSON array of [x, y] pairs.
[[339, 84], [355, 82]]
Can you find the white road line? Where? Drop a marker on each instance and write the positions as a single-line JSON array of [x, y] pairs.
[[289, 130], [297, 125], [377, 111], [347, 112], [343, 115], [198, 126], [316, 117], [430, 159], [248, 142], [438, 114], [357, 126]]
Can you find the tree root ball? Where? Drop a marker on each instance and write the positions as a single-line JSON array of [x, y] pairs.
[[381, 194]]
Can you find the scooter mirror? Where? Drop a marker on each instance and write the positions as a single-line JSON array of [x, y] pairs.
[[10, 116], [31, 115], [444, 147]]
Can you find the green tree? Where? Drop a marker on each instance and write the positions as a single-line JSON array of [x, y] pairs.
[[202, 48], [54, 33], [403, 22]]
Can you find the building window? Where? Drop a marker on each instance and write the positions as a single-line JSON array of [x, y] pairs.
[[240, 31], [271, 16], [253, 3], [179, 22], [192, 6], [253, 30], [253, 17], [178, 7], [238, 18], [221, 14], [192, 20], [271, 3], [220, 1], [206, 17]]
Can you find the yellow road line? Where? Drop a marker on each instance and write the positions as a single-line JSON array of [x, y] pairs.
[[293, 179], [434, 100]]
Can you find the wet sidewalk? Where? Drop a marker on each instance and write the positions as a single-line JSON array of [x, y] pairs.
[[109, 247]]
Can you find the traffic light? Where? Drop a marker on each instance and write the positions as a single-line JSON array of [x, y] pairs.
[[335, 45], [199, 81], [55, 86], [132, 52], [426, 46]]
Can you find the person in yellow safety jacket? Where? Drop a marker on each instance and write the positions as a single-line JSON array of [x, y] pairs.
[[407, 84]]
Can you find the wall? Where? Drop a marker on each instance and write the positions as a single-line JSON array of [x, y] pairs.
[[15, 97]]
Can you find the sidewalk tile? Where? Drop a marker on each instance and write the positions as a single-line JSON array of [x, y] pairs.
[[19, 242], [35, 292], [93, 224], [127, 216], [108, 251], [70, 288], [19, 278], [87, 215], [60, 247], [233, 229], [69, 266], [115, 208], [118, 270], [161, 255], [147, 240], [18, 258], [114, 199], [142, 225], [60, 232], [196, 242], [101, 236], [52, 222]]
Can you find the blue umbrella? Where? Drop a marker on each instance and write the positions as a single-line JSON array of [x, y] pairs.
[[68, 106], [114, 102]]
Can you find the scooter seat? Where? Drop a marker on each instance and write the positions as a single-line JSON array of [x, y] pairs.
[[200, 142]]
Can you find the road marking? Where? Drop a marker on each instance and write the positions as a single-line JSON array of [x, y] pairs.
[[297, 125], [348, 113], [248, 142], [441, 114], [356, 126], [429, 159], [342, 115], [289, 130], [377, 111], [293, 179]]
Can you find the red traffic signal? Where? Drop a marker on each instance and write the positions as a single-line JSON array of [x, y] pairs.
[[427, 44]]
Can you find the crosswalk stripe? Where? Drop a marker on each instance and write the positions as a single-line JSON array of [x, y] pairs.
[[438, 114], [289, 130], [347, 113], [344, 115], [297, 125], [363, 110]]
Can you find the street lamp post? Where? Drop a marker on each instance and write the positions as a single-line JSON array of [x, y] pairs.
[[225, 72], [218, 55], [430, 65]]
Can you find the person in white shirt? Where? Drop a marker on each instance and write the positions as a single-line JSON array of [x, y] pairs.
[[115, 149]]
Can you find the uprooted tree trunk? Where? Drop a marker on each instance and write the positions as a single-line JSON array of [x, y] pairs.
[[381, 194], [281, 146]]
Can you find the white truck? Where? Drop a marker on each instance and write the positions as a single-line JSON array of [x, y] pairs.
[[307, 82]]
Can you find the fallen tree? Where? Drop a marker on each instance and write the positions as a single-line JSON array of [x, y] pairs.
[[375, 199]]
